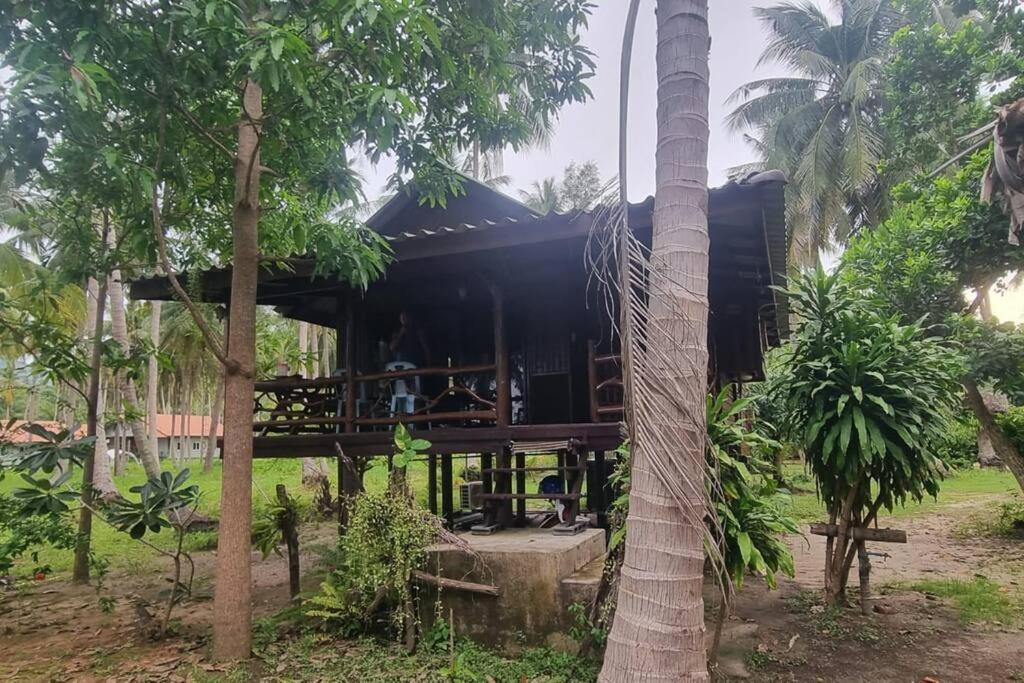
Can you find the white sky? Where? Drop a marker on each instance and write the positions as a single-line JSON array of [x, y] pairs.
[[589, 131]]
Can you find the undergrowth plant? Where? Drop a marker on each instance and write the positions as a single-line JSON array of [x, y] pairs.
[[385, 541], [39, 513]]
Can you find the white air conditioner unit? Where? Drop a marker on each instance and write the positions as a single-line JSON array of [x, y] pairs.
[[470, 493]]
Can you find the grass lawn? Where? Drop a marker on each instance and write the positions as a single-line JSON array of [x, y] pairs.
[[979, 600], [961, 486], [128, 555]]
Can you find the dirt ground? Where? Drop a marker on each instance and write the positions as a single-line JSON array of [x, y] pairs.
[[54, 631]]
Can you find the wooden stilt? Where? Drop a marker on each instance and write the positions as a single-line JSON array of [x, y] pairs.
[[447, 505], [520, 488], [432, 483]]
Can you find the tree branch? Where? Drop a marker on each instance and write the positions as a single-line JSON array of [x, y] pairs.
[[161, 240]]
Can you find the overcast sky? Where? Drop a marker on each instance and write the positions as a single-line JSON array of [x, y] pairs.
[[589, 131]]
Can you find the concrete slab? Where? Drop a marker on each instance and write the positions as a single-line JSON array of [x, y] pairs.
[[529, 567]]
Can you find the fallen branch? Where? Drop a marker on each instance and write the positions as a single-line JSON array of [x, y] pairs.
[[454, 584]]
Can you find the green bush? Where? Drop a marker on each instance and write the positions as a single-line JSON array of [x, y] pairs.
[[385, 541], [1011, 518], [958, 446], [1012, 423]]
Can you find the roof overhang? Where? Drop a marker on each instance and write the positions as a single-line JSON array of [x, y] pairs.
[[746, 224]]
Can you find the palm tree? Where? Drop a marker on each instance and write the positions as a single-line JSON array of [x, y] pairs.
[[821, 125], [543, 196], [124, 386], [658, 629]]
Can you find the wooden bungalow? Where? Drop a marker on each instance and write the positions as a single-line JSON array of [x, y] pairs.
[[488, 335]]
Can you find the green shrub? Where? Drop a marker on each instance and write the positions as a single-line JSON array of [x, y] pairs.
[[385, 541], [1011, 518], [958, 446], [1012, 423]]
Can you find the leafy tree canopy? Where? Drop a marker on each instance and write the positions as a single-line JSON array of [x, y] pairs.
[[133, 104]]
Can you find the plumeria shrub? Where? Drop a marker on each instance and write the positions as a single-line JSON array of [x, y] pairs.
[[869, 399]]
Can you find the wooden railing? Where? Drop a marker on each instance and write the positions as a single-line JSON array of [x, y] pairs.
[[293, 405], [606, 388]]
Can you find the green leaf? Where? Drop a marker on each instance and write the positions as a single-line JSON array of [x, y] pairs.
[[845, 427], [745, 545]]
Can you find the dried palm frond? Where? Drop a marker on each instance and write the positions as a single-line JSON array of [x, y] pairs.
[[1005, 173], [637, 292]]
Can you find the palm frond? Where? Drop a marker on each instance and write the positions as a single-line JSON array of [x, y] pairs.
[[769, 107]]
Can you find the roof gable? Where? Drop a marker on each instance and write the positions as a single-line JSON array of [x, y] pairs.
[[406, 211]]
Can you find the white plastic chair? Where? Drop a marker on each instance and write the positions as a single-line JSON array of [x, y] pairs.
[[401, 396]]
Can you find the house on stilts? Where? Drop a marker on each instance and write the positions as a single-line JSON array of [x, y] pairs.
[[488, 334]]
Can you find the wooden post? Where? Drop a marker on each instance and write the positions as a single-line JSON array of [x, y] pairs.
[[349, 484], [432, 483], [521, 488], [505, 486], [596, 496], [290, 532], [572, 483], [595, 416], [861, 533], [350, 365], [502, 384], [486, 462], [447, 506]]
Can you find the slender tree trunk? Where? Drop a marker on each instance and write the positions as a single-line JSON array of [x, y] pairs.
[[215, 416], [304, 349], [185, 410], [658, 630], [30, 405], [120, 449], [1001, 444], [153, 378], [174, 440], [314, 351], [80, 572], [312, 471], [125, 387], [232, 605], [102, 482]]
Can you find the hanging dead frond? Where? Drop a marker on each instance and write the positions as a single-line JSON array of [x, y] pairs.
[[631, 284], [1005, 173]]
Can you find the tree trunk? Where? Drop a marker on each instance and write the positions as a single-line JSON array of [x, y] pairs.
[[232, 606], [30, 405], [102, 482], [121, 450], [1001, 444], [313, 472], [125, 387], [658, 630], [314, 351], [173, 440], [80, 572], [304, 349], [185, 410], [153, 378], [215, 413]]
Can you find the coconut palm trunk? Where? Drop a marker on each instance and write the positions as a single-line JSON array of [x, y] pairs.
[[153, 377], [124, 386], [102, 481], [658, 629], [312, 472], [215, 416]]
